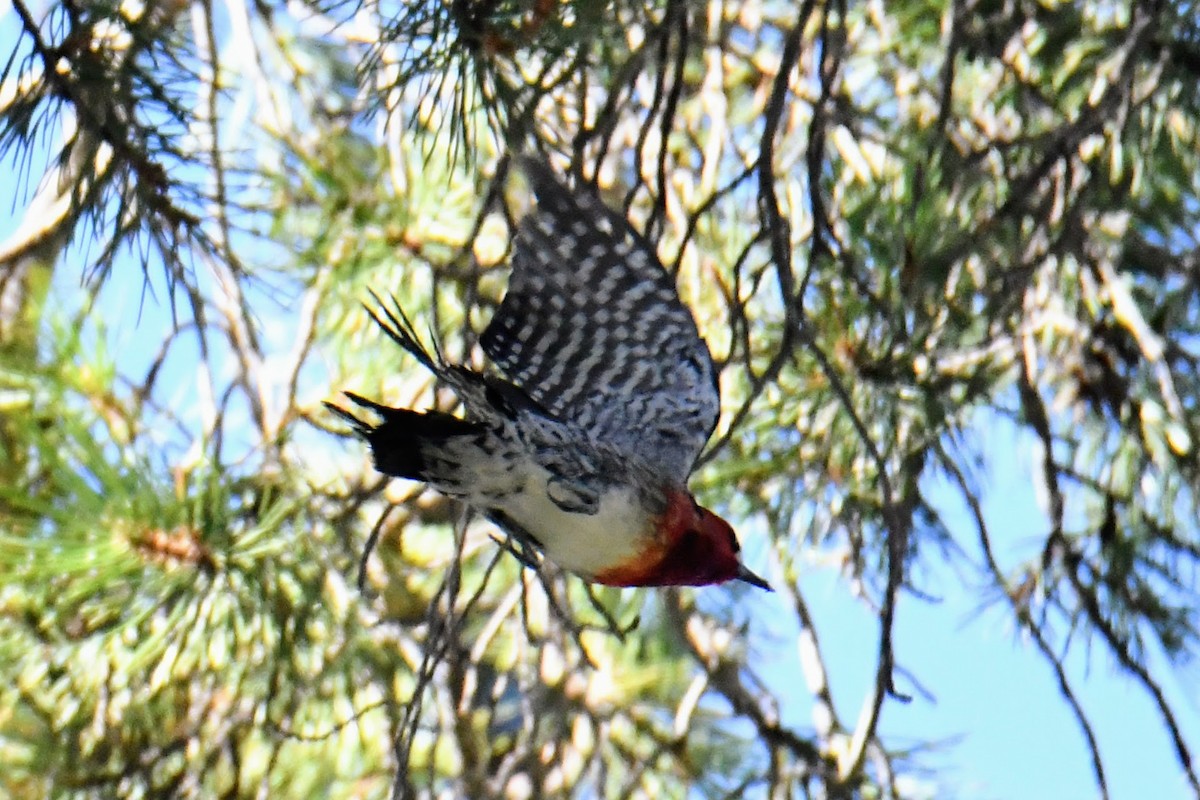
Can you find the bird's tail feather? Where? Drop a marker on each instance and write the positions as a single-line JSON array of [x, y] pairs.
[[398, 444]]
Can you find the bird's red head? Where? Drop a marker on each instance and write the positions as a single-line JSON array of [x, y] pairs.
[[696, 548]]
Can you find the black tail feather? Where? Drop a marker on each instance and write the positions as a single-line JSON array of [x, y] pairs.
[[357, 425], [359, 400], [397, 442]]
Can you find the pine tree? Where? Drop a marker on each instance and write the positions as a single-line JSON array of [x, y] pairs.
[[903, 227]]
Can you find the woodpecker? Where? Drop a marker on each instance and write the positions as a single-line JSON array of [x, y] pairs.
[[580, 443]]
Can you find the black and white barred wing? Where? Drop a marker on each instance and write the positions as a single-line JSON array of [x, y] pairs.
[[593, 329]]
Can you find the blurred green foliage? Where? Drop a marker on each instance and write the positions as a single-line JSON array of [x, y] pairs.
[[891, 220]]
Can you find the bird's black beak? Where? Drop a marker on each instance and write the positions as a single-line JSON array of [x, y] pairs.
[[749, 577]]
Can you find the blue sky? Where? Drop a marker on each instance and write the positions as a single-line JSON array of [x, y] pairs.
[[1007, 731], [1022, 739]]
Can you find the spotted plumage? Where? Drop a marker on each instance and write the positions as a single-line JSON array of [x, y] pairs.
[[593, 329], [582, 447]]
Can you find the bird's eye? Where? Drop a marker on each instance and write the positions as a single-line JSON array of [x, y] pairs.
[[689, 540]]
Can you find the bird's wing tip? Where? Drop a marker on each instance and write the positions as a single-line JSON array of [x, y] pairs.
[[541, 176]]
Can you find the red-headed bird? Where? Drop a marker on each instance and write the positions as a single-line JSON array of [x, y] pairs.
[[583, 448]]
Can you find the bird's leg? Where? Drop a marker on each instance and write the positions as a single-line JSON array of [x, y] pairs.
[[523, 545], [519, 547]]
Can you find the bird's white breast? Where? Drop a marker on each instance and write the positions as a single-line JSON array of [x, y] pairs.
[[581, 543]]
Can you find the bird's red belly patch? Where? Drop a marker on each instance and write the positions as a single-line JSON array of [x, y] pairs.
[[642, 570]]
